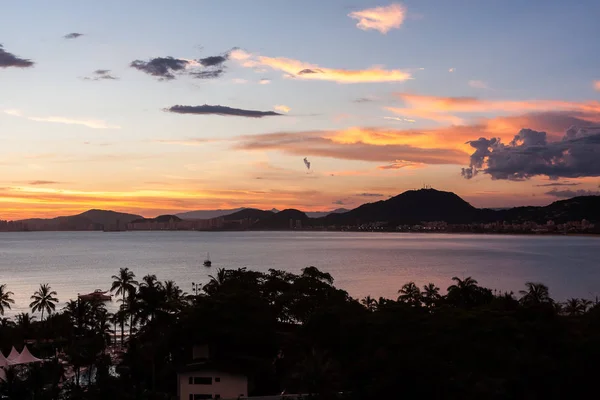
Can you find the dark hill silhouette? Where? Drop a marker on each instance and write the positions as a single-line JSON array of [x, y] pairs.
[[575, 209], [91, 219], [410, 207], [250, 213], [160, 218], [208, 214], [107, 217], [281, 220]]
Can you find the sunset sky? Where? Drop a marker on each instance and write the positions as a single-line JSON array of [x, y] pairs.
[[160, 107]]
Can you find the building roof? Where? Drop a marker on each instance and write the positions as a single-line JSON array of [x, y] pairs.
[[231, 368]]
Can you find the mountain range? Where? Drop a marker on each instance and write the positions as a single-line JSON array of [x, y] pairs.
[[411, 207], [91, 219], [208, 214]]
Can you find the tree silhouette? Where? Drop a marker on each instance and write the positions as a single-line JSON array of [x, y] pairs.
[[370, 303], [431, 295], [5, 299], [536, 294], [410, 294], [44, 300]]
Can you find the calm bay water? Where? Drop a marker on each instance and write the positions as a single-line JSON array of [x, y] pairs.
[[361, 263]]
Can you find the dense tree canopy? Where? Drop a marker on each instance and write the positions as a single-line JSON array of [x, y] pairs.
[[298, 333]]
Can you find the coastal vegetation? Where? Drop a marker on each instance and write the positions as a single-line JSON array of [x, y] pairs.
[[298, 333]]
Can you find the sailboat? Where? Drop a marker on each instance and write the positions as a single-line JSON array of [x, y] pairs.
[[207, 262]]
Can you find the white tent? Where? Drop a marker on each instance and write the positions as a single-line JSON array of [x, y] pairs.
[[26, 357], [14, 354]]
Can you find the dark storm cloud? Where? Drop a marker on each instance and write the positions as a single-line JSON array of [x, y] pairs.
[[220, 110], [161, 67], [370, 195], [10, 60], [530, 154], [567, 194], [558, 184], [166, 68], [73, 35], [213, 61]]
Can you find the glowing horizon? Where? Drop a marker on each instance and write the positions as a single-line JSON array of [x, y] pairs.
[[138, 116]]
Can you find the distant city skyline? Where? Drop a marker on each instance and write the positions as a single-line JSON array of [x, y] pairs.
[[160, 108]]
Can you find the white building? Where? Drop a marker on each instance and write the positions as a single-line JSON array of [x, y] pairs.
[[207, 383], [203, 379]]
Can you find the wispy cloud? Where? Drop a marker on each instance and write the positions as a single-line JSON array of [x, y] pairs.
[[220, 110], [264, 81], [10, 60], [186, 142], [597, 85], [101, 74], [239, 81], [90, 123], [558, 184], [282, 108], [306, 71], [478, 84], [401, 164], [382, 19], [42, 182], [370, 195], [73, 35], [400, 119], [443, 109], [567, 194], [451, 69]]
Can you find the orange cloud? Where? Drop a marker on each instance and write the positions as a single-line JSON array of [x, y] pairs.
[[282, 108], [361, 144], [441, 109], [306, 71], [382, 19], [597, 85]]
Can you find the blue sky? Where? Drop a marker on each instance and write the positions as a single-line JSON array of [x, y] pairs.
[[499, 51]]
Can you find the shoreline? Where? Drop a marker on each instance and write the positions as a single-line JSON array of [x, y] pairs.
[[329, 231]]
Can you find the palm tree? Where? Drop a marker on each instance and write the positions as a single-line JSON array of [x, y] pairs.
[[466, 284], [124, 283], [6, 322], [410, 294], [174, 295], [431, 295], [44, 300], [465, 292], [24, 320], [5, 299], [370, 303], [573, 307], [151, 299], [536, 293]]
